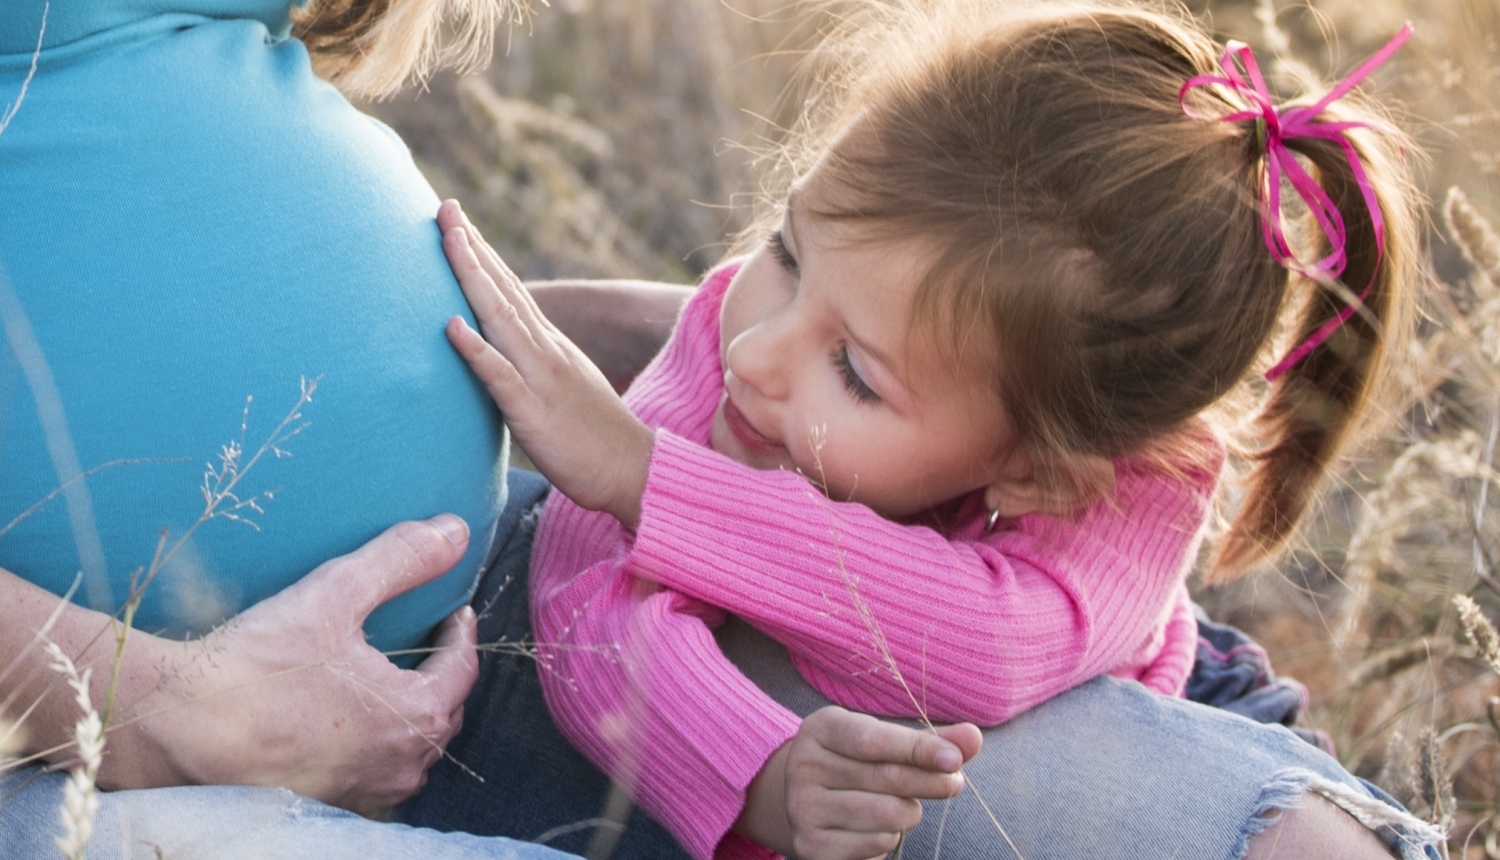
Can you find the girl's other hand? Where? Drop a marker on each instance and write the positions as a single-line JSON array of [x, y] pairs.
[[848, 785], [564, 413]]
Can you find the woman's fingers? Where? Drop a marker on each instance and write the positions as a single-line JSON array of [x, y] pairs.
[[401, 558], [452, 667]]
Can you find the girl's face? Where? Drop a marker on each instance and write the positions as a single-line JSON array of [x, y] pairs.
[[820, 375]]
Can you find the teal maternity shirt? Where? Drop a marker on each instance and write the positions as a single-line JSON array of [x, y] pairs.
[[191, 222]]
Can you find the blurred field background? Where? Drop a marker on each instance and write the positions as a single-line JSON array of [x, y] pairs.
[[615, 138]]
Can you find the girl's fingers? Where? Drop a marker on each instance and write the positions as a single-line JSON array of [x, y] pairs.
[[504, 383], [495, 267], [864, 812], [479, 288], [965, 736], [487, 255], [850, 844], [508, 325], [499, 278], [889, 778], [866, 754], [865, 738]]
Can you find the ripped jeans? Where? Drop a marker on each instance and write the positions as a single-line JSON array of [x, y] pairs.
[[1106, 771]]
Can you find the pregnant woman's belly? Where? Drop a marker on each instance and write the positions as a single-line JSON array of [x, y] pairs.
[[195, 233]]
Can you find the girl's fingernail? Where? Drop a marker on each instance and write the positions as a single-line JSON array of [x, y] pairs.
[[949, 760]]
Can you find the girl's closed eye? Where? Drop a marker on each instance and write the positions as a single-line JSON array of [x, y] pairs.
[[854, 376], [783, 255]]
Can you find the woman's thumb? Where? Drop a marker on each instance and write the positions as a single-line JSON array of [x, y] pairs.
[[399, 559]]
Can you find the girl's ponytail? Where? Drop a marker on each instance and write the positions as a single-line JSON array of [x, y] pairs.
[[1090, 177], [1321, 402]]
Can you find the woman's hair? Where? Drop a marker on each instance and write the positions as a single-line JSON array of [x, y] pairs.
[[1101, 247], [370, 48]]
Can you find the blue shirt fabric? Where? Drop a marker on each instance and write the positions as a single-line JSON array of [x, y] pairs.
[[189, 218]]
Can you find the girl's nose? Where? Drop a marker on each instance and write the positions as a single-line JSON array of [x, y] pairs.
[[760, 356]]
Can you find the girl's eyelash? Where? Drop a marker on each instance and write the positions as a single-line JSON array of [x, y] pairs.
[[858, 388], [783, 256]]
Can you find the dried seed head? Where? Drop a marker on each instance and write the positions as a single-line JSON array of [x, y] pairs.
[[1475, 238], [1479, 630], [80, 794], [1399, 770], [1432, 784]]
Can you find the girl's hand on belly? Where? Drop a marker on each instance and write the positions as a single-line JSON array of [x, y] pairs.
[[289, 694], [562, 410]]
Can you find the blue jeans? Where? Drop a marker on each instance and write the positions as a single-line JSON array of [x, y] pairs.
[[227, 823], [1104, 771]]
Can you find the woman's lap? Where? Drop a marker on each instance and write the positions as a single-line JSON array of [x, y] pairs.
[[226, 823], [1107, 770], [1110, 770], [1104, 771]]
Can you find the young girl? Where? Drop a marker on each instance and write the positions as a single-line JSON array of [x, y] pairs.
[[943, 432]]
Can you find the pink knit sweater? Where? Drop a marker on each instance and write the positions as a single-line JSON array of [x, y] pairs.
[[979, 626]]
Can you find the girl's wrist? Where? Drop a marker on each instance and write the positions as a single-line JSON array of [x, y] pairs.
[[634, 468], [764, 818]]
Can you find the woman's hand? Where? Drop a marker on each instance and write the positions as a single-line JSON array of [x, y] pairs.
[[565, 415], [848, 785], [289, 693]]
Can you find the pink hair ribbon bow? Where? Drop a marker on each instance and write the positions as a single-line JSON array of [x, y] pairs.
[[1278, 125]]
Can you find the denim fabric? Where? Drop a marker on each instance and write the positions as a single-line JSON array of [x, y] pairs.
[[1111, 770], [1231, 671], [1106, 771], [510, 772], [226, 823]]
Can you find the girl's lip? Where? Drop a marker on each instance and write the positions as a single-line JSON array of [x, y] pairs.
[[740, 426]]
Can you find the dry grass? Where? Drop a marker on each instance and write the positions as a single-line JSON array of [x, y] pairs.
[[80, 794], [610, 142]]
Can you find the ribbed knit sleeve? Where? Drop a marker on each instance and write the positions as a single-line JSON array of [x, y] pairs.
[[890, 618], [884, 617], [630, 670]]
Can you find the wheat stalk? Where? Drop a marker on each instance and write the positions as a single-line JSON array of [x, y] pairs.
[[80, 794], [1479, 629], [1417, 487], [1475, 238], [818, 437]]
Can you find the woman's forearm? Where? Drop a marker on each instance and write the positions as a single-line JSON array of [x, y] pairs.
[[33, 693], [288, 693], [619, 325]]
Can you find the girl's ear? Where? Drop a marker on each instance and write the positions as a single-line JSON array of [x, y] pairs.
[[1068, 486]]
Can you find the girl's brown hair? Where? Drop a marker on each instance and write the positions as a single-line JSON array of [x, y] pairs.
[[1103, 245], [370, 48]]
